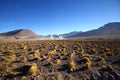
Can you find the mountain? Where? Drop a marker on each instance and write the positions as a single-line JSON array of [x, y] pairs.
[[109, 29], [63, 35], [70, 34], [20, 33], [54, 35]]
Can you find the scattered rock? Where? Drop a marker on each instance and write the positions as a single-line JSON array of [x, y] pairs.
[[111, 77], [95, 76]]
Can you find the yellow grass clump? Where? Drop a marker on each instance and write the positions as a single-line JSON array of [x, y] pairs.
[[24, 47], [106, 67], [23, 59], [37, 52], [101, 58], [6, 68], [72, 65], [23, 78], [48, 58], [93, 51], [71, 55], [52, 52], [10, 58], [87, 62], [85, 55], [33, 69], [88, 65], [86, 59], [23, 52], [58, 61], [109, 54]]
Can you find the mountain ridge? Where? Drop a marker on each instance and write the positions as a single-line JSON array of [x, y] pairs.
[[110, 29]]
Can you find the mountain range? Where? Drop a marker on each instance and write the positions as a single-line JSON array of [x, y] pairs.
[[107, 30]]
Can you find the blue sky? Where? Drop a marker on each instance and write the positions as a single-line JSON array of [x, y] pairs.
[[57, 16]]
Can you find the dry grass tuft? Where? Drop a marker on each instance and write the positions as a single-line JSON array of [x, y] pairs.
[[33, 69]]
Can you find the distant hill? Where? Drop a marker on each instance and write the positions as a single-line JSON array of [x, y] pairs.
[[109, 29], [20, 33], [70, 34], [64, 35]]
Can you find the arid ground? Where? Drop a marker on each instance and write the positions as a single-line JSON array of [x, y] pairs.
[[60, 60]]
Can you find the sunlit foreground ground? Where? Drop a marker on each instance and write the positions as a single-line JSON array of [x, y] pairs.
[[60, 60]]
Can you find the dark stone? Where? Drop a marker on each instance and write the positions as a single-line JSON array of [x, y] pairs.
[[116, 75], [111, 77], [95, 76], [104, 77]]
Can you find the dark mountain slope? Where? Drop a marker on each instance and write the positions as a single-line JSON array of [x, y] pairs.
[[107, 29]]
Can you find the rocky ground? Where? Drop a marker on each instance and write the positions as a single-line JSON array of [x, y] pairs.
[[60, 60]]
